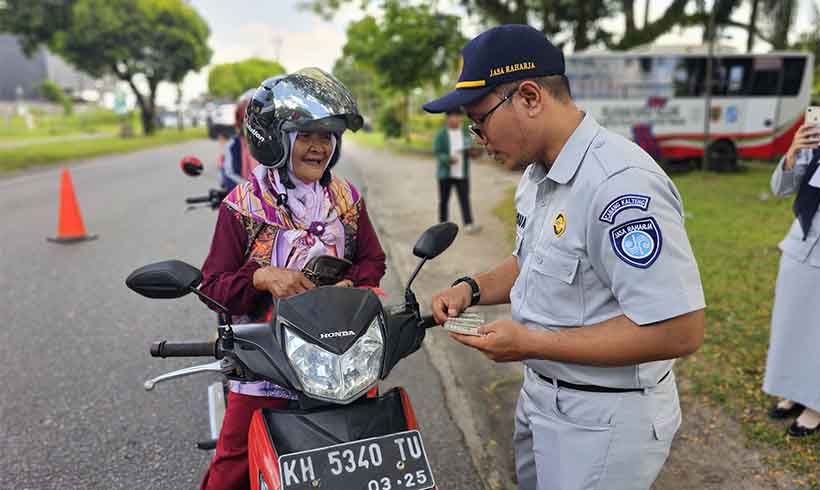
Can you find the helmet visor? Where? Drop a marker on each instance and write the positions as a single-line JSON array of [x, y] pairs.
[[311, 99]]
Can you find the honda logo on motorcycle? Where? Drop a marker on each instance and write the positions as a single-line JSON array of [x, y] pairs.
[[343, 333]]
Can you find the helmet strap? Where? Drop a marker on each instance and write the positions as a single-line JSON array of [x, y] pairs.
[[284, 177]]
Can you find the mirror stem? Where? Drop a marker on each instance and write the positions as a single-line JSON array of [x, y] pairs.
[[213, 303], [409, 297]]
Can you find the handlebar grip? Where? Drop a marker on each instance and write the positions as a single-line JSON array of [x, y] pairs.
[[165, 348], [197, 200], [427, 321]]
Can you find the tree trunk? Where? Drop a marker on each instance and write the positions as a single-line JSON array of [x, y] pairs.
[[581, 38], [783, 23], [750, 39], [146, 107], [180, 126], [405, 113], [645, 14]]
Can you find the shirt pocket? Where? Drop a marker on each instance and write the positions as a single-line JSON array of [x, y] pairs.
[[553, 290]]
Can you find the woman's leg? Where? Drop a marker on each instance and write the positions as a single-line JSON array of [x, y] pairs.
[[229, 466]]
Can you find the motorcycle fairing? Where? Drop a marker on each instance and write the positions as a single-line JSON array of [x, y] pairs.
[[352, 309], [300, 430]]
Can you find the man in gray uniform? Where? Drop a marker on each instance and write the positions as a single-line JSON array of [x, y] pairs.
[[604, 288]]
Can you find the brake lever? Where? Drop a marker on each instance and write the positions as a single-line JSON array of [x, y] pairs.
[[223, 366]]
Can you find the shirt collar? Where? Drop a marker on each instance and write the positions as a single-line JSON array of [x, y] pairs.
[[569, 158]]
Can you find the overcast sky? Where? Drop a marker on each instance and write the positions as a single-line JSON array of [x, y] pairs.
[[278, 29]]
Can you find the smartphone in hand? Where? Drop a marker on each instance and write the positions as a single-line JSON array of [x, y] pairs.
[[813, 115]]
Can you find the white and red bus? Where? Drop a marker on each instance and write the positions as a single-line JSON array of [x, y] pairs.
[[657, 99]]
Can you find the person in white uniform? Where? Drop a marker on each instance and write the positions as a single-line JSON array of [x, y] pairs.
[[604, 288], [792, 366]]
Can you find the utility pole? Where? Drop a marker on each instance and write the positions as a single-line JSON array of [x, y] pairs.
[[707, 119]]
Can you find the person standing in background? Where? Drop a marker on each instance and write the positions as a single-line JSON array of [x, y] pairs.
[[792, 368], [453, 147]]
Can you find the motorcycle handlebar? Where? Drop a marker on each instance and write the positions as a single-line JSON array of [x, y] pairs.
[[165, 348], [427, 321], [197, 200]]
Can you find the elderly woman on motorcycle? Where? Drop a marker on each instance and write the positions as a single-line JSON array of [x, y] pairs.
[[291, 210]]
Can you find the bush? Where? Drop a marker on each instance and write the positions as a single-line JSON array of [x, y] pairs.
[[389, 121], [53, 93]]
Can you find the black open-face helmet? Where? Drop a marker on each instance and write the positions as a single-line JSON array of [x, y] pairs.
[[307, 100]]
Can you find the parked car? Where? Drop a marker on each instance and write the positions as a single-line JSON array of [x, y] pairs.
[[221, 121]]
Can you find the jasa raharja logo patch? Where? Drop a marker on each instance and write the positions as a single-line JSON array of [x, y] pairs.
[[559, 224]]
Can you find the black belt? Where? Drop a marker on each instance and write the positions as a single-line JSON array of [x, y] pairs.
[[593, 388]]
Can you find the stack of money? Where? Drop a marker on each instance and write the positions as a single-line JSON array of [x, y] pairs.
[[465, 324]]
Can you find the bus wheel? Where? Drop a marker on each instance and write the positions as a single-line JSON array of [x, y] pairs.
[[722, 156]]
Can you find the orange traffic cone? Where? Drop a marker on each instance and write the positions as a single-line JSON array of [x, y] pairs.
[[70, 226]]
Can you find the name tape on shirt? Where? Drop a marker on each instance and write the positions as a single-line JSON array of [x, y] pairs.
[[622, 203], [637, 242], [520, 220]]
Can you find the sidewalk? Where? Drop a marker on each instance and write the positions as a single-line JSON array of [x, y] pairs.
[[709, 452]]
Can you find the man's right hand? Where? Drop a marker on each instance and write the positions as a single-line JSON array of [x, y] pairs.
[[281, 283], [451, 302]]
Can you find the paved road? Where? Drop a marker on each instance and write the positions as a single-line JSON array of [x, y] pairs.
[[74, 341]]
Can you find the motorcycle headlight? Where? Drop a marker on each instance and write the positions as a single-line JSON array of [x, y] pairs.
[[338, 378]]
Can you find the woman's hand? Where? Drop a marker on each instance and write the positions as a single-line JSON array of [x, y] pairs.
[[281, 283], [344, 283], [807, 137]]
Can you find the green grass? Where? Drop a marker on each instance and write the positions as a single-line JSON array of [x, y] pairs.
[[420, 143], [58, 152], [734, 225], [45, 125]]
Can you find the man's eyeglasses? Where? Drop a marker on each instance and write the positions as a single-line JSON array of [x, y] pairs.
[[477, 127]]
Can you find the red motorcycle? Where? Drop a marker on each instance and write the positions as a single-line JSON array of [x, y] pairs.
[[331, 346]]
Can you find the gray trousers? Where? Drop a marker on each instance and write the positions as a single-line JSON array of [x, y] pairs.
[[576, 440]]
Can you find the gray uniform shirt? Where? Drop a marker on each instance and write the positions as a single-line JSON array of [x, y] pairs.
[[600, 234]]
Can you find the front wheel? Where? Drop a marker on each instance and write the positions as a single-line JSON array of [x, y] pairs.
[[722, 156]]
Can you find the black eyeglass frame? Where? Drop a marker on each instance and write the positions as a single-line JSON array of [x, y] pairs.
[[476, 127]]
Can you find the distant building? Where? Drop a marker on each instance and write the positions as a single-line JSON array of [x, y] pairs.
[[28, 73]]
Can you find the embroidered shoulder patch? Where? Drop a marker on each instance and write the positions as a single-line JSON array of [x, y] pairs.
[[637, 242], [622, 203]]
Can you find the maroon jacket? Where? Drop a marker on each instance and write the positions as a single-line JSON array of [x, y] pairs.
[[228, 274]]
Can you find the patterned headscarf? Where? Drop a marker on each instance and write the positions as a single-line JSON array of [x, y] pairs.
[[311, 228]]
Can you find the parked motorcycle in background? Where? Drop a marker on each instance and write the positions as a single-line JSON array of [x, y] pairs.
[[193, 167], [331, 346]]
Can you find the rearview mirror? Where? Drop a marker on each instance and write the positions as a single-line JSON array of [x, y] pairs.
[[191, 166], [435, 240], [165, 280]]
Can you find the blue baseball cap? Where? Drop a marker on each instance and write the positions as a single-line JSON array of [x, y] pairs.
[[499, 55]]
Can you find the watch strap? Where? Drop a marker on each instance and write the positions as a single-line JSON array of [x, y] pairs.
[[475, 295]]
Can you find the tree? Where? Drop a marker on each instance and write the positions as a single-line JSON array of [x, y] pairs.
[[233, 79], [136, 41], [578, 22], [410, 47], [363, 83], [810, 41], [34, 22]]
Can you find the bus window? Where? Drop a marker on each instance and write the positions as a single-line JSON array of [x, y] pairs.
[[736, 75], [793, 75], [766, 76], [689, 77]]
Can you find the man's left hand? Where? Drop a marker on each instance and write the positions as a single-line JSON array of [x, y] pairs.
[[502, 341]]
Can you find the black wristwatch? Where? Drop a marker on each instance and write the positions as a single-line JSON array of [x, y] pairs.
[[475, 295]]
